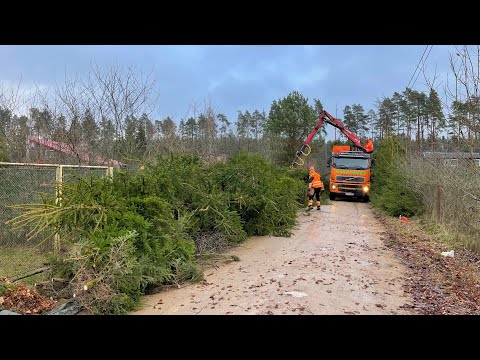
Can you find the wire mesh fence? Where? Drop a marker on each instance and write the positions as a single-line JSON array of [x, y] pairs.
[[451, 194], [28, 184]]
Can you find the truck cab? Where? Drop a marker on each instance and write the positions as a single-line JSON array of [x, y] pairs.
[[350, 173]]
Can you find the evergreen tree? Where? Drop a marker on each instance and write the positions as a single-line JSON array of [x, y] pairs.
[[436, 116], [90, 132], [349, 119], [289, 119], [191, 128], [372, 123], [141, 137], [224, 125], [168, 128]]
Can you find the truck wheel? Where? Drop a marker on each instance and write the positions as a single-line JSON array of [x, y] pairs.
[[331, 196], [366, 198]]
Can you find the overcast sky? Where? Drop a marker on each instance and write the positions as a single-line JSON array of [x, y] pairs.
[[239, 77]]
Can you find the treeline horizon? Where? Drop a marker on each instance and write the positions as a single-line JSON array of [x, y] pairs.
[[107, 115]]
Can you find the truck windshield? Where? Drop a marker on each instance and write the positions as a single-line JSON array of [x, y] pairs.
[[350, 163]]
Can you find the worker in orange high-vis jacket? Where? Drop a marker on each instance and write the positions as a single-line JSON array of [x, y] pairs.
[[315, 183]]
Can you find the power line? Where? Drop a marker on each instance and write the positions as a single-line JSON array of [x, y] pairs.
[[424, 51], [431, 46]]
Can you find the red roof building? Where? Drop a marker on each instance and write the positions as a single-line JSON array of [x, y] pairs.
[[49, 151]]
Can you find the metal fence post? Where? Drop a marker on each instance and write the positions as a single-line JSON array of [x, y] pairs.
[[58, 202], [20, 185]]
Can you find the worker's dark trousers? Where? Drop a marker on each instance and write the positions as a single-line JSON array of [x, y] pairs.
[[317, 193]]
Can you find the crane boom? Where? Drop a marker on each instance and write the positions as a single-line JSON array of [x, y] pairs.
[[325, 116]]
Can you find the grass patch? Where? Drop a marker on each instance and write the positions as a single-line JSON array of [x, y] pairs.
[[437, 284], [425, 228], [430, 227], [444, 235], [19, 260], [4, 287]]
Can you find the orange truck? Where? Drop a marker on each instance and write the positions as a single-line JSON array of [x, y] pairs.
[[350, 169], [350, 173]]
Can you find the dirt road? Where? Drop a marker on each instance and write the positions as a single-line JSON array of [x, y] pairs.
[[335, 263]]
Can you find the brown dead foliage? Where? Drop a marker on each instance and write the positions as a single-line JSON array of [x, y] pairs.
[[22, 300], [439, 285]]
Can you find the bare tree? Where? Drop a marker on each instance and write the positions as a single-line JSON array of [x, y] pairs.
[[120, 91], [462, 95], [15, 99], [112, 93], [456, 206]]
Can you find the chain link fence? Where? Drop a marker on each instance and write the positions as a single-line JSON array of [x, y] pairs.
[[26, 184]]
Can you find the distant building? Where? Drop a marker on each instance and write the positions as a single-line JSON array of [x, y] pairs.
[[55, 152], [453, 158]]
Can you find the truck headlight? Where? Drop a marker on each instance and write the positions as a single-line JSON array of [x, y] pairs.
[[334, 186], [365, 189]]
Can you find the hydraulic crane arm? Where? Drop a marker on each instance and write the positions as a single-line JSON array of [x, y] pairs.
[[325, 116]]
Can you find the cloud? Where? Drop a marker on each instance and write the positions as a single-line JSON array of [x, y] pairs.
[[236, 77], [308, 77]]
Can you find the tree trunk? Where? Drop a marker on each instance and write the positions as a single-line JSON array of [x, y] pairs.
[[35, 272]]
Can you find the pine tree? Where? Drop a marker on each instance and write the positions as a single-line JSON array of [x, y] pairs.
[[43, 122], [349, 119], [141, 137], [399, 101], [19, 133], [436, 116], [90, 135], [422, 114], [290, 118], [457, 121], [60, 132], [168, 128], [241, 126], [107, 138], [385, 116], [224, 125], [151, 131], [4, 149], [130, 136], [191, 128], [5, 122], [182, 129], [408, 109], [372, 123], [255, 121], [361, 119], [318, 108]]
